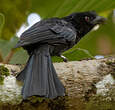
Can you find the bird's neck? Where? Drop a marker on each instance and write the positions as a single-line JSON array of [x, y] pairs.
[[81, 29], [78, 27]]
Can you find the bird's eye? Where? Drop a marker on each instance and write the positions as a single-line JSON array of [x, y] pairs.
[[87, 18]]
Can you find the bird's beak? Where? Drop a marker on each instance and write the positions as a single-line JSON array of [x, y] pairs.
[[99, 20]]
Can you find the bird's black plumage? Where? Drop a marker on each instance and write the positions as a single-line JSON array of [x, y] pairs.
[[48, 38], [53, 31]]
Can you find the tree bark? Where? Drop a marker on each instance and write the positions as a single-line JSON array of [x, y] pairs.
[[79, 78]]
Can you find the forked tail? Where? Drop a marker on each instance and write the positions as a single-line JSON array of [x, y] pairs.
[[39, 76]]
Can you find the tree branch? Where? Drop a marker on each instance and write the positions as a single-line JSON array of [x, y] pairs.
[[79, 78]]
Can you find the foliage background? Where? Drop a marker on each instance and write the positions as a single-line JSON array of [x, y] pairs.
[[13, 13]]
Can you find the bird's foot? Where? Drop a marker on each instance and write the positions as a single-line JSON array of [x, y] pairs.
[[64, 58]]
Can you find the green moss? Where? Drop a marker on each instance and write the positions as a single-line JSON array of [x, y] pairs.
[[35, 99], [4, 72], [58, 103], [1, 79], [99, 102], [111, 64]]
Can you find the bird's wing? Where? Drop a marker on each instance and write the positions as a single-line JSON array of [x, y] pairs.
[[46, 32]]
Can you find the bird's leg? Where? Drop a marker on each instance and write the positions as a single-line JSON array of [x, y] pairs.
[[64, 58]]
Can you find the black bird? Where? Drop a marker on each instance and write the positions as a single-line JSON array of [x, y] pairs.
[[51, 37]]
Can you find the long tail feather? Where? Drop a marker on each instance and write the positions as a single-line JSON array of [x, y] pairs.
[[40, 77]]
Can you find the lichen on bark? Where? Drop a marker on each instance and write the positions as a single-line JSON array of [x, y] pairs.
[[79, 78], [4, 72]]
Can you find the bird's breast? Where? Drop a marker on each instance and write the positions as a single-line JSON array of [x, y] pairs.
[[58, 49]]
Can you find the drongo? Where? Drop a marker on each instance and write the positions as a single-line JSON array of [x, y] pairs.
[[51, 37]]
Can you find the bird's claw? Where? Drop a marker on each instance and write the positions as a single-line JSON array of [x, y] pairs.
[[64, 58]]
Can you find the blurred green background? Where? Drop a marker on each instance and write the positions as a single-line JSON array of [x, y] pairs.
[[14, 13]]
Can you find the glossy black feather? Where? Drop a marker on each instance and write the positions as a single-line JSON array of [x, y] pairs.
[[47, 31], [48, 38]]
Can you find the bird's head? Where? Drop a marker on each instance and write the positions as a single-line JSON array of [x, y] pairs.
[[84, 21]]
